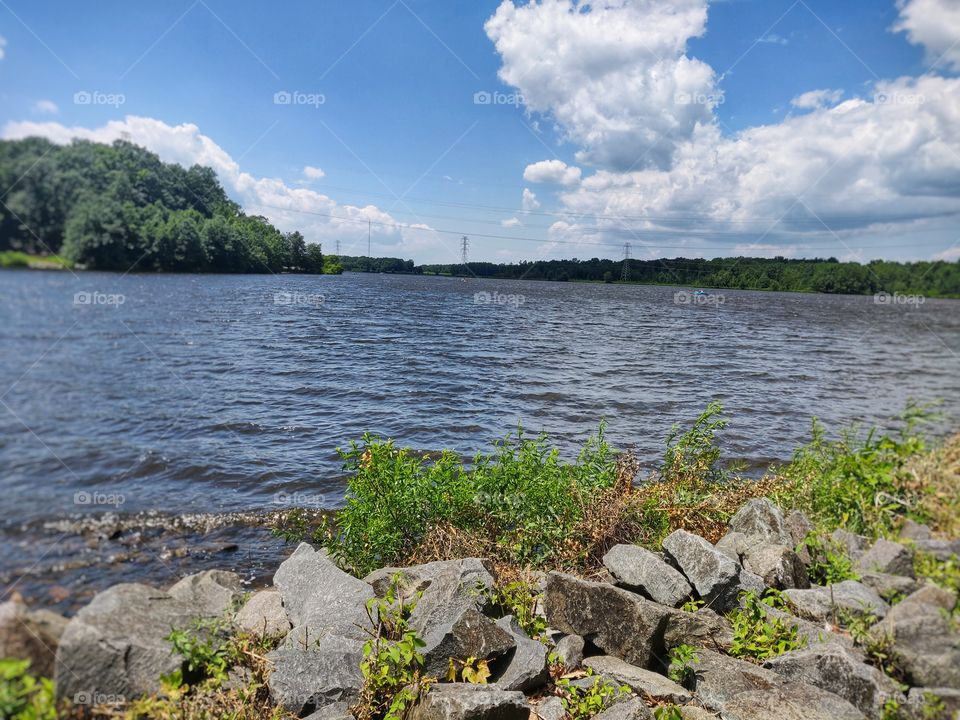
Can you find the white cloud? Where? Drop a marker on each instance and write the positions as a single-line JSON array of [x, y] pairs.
[[552, 171], [3, 47], [511, 222], [817, 99], [950, 254], [935, 24], [613, 75], [313, 173], [529, 200], [46, 107], [288, 208]]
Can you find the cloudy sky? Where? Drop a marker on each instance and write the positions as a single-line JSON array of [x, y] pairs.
[[549, 128]]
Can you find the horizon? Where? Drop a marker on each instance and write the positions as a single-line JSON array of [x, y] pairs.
[[701, 130]]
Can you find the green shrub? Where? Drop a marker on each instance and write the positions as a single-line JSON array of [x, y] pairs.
[[668, 712], [829, 562], [682, 660], [757, 635], [519, 598], [582, 703], [945, 573], [695, 452], [206, 651], [24, 696]]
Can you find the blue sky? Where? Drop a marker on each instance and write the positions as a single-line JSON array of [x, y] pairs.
[[401, 141]]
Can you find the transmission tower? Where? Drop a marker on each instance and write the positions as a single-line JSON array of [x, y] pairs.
[[464, 248], [625, 275], [338, 247]]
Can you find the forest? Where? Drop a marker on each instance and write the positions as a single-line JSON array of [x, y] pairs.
[[119, 207]]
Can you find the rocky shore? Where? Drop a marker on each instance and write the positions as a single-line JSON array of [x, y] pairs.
[[669, 634]]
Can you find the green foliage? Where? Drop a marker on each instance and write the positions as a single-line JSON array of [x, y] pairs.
[[206, 651], [23, 696], [945, 573], [521, 499], [933, 708], [695, 453], [519, 598], [829, 562], [392, 661], [16, 259], [582, 703], [668, 712], [692, 605], [757, 635], [682, 660]]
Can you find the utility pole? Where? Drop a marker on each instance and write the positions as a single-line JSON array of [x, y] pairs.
[[464, 247], [625, 275]]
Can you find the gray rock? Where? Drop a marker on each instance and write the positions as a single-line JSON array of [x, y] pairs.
[[318, 594], [761, 517], [212, 592], [719, 678], [703, 628], [942, 550], [887, 557], [798, 526], [852, 544], [117, 645], [692, 712], [463, 701], [814, 633], [718, 579], [468, 575], [569, 651], [926, 598], [734, 545], [828, 603], [915, 531], [617, 621], [263, 615], [626, 709], [641, 681], [30, 635], [919, 699], [311, 676], [550, 708], [469, 634], [779, 566], [638, 569], [337, 711], [793, 701], [889, 586], [834, 669], [527, 669]]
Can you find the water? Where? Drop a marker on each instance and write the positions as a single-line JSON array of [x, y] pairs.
[[214, 394]]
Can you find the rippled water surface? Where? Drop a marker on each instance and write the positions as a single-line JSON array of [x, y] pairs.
[[209, 394]]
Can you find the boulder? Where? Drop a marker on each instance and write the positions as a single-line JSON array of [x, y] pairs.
[[834, 669], [310, 675], [734, 545], [117, 645], [469, 634], [569, 651], [263, 615], [549, 708], [337, 711], [778, 565], [30, 635], [942, 550], [912, 530], [632, 708], [617, 621], [703, 628], [719, 678], [759, 516], [463, 701], [212, 592], [852, 544], [643, 682], [828, 603], [887, 557], [814, 633], [798, 526], [890, 586], [527, 669], [946, 699], [640, 570], [468, 575], [718, 579], [692, 712]]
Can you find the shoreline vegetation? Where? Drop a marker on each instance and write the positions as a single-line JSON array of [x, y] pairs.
[[520, 583]]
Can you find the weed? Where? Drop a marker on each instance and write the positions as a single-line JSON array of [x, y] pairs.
[[519, 598], [475, 671], [945, 573], [582, 703], [24, 696], [829, 562], [682, 660], [668, 712], [756, 634], [206, 651], [692, 605]]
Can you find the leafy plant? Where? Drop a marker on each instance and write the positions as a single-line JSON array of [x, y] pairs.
[[682, 660], [520, 599], [585, 702], [756, 634], [692, 605], [206, 651], [933, 707], [945, 573], [472, 670], [392, 663], [668, 712], [24, 696], [829, 562], [694, 453]]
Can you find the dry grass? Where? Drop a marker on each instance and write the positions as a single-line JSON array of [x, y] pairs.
[[936, 478]]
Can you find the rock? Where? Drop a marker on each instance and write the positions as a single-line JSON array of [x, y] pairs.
[[814, 633], [828, 603], [719, 678], [550, 708], [117, 645], [213, 592], [703, 628], [643, 682], [929, 597], [692, 712], [794, 701], [761, 517], [337, 711], [798, 526], [942, 550], [734, 545], [468, 574], [948, 699], [718, 579], [890, 586], [627, 709], [463, 701], [915, 531], [470, 634], [318, 594], [311, 676], [569, 651], [263, 615], [887, 557], [853, 545], [617, 621], [834, 669], [638, 569], [30, 635], [779, 566], [527, 669]]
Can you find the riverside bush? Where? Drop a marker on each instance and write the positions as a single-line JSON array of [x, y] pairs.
[[23, 696], [756, 634]]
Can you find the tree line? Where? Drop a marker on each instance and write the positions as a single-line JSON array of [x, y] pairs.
[[119, 207]]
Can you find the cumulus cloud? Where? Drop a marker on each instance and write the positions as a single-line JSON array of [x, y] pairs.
[[317, 216], [556, 172], [46, 107], [817, 99], [313, 173], [613, 75], [511, 222], [529, 200], [934, 24]]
